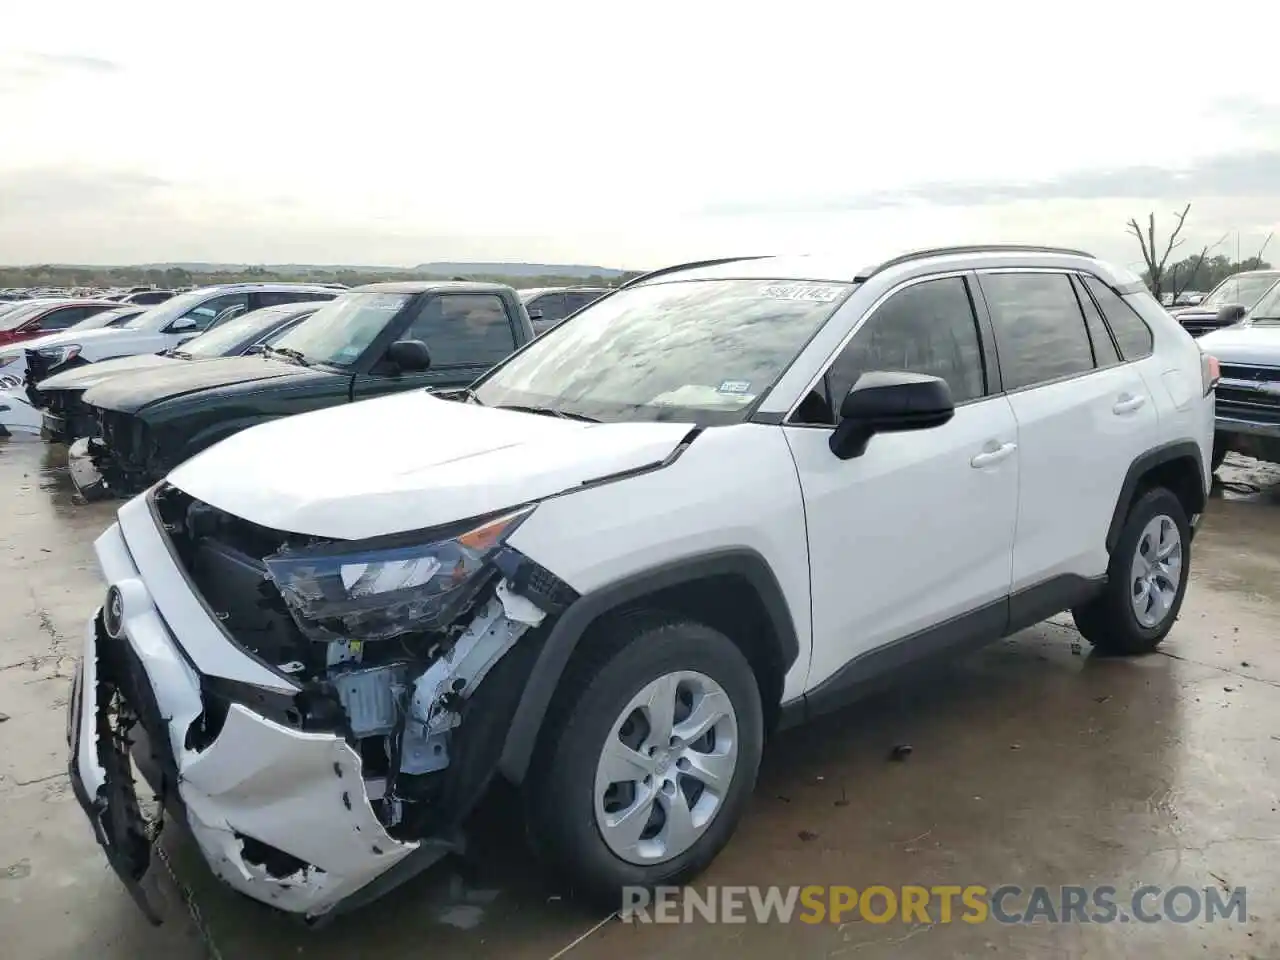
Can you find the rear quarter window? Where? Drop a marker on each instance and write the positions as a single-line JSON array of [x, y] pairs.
[[1132, 334]]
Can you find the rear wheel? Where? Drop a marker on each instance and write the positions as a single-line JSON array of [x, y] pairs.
[[650, 757], [1146, 579]]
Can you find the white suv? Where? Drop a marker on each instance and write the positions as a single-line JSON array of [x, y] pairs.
[[720, 499]]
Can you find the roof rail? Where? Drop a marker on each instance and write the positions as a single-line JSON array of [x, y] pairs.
[[688, 266], [869, 272]]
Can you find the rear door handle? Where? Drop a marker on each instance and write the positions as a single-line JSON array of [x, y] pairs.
[[992, 454], [1127, 403]]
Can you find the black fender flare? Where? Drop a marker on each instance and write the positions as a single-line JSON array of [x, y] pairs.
[[570, 627], [1155, 457]]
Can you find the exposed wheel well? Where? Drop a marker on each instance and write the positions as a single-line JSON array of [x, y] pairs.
[[728, 603], [1181, 476], [1178, 467]]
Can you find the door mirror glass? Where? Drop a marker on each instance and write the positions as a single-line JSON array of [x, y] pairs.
[[883, 402], [409, 355]]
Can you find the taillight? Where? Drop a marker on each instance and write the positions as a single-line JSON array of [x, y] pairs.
[[1210, 371]]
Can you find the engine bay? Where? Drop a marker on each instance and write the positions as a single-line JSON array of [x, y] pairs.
[[399, 698]]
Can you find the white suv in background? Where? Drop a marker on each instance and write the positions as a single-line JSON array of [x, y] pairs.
[[720, 499]]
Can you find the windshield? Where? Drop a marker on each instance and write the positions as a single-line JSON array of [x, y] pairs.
[[1267, 310], [1244, 289], [172, 308], [700, 350], [340, 331], [223, 339]]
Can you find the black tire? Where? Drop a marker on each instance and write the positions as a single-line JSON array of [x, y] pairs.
[[1220, 451], [1108, 621], [625, 655]]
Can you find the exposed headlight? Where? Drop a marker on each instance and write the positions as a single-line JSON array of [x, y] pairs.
[[382, 589], [57, 355]]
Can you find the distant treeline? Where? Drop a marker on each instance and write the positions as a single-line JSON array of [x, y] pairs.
[[103, 277], [1203, 274]]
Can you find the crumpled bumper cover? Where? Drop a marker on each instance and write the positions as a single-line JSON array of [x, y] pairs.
[[301, 793]]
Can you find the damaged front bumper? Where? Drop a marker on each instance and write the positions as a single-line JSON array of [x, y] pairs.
[[282, 814], [83, 467]]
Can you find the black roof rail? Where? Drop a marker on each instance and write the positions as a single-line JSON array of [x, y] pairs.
[[869, 272], [688, 266]]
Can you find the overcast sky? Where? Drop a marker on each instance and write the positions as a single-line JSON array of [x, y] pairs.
[[627, 134]]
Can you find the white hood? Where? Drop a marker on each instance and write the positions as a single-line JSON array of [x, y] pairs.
[[104, 342], [1247, 344], [408, 462]]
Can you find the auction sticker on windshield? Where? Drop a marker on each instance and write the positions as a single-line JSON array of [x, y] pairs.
[[813, 292]]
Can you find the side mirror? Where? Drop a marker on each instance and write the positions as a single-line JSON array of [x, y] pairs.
[[1231, 313], [410, 355], [183, 325], [535, 314], [883, 402]]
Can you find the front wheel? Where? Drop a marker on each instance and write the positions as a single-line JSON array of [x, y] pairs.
[[650, 756], [1146, 579]]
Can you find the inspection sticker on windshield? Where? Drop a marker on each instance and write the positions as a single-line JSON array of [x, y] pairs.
[[813, 292], [734, 386]]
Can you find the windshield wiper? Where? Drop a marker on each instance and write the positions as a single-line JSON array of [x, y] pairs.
[[180, 354], [297, 356], [548, 411]]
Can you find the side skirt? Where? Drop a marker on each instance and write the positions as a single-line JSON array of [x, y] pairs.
[[874, 669]]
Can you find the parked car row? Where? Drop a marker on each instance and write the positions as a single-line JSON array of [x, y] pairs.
[[605, 562], [124, 433], [1229, 302]]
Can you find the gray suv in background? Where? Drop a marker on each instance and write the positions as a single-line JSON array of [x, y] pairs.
[[547, 306]]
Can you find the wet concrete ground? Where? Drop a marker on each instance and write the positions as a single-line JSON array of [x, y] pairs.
[[1031, 764]]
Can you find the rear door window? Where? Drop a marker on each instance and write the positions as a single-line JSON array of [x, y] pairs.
[[1104, 350], [274, 298], [550, 305], [573, 302], [219, 309], [1040, 330]]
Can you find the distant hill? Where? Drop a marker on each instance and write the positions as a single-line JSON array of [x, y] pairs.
[[517, 270]]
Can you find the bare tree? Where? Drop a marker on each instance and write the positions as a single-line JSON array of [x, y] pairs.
[[1189, 275], [1263, 249], [1155, 267]]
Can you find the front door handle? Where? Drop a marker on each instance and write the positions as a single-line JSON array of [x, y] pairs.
[[1128, 403], [992, 454]]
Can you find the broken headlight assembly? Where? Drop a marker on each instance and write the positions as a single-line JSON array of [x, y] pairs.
[[384, 588]]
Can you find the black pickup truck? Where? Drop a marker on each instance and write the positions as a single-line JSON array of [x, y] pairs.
[[376, 339]]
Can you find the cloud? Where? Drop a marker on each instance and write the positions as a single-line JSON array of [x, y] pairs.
[[23, 72], [74, 62], [52, 193], [1255, 173]]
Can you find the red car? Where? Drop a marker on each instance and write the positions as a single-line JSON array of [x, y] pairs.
[[25, 320]]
